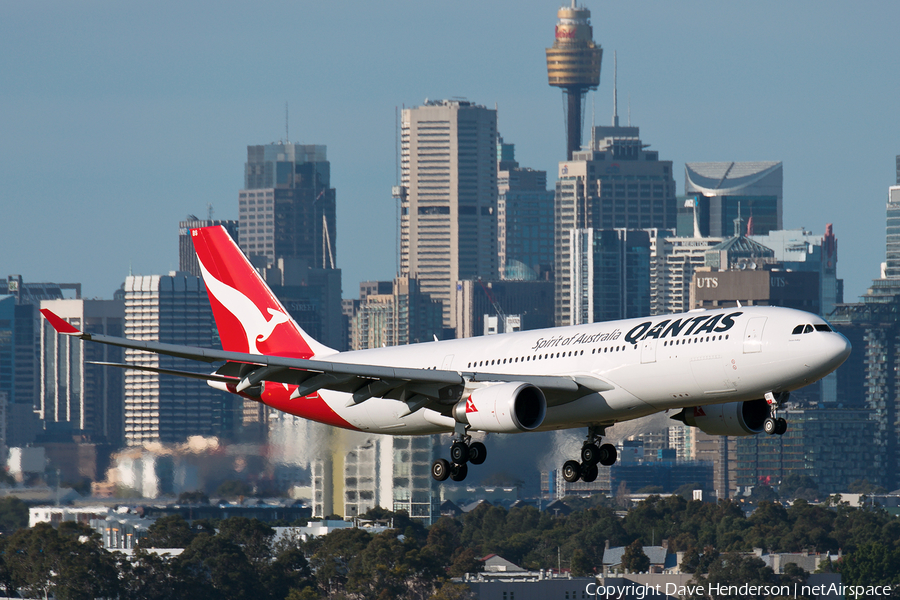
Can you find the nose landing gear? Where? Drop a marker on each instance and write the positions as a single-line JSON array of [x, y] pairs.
[[463, 450], [775, 425], [591, 455]]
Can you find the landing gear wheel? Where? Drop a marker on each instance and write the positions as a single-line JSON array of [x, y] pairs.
[[589, 473], [608, 455], [571, 471], [477, 453], [590, 454], [440, 469], [770, 426], [780, 426], [458, 472], [459, 453]]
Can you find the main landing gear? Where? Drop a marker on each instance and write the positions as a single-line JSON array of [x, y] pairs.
[[775, 425], [591, 454], [463, 450]]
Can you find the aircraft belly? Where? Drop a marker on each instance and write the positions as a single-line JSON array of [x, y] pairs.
[[380, 415], [615, 405]]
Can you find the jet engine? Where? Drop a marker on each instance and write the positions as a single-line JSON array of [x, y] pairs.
[[503, 408], [734, 418]]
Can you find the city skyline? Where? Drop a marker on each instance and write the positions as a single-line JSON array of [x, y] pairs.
[[119, 121]]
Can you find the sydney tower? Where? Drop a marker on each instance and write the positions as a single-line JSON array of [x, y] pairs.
[[573, 64]]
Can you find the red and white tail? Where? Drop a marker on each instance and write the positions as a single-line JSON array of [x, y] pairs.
[[248, 315]]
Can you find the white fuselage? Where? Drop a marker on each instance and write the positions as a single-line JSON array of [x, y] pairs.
[[652, 364]]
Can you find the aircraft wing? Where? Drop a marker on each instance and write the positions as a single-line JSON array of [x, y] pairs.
[[363, 381]]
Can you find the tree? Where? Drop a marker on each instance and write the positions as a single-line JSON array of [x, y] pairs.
[[195, 497], [798, 485], [171, 531], [728, 569], [862, 486], [68, 563], [253, 536], [288, 573], [453, 591], [217, 568], [634, 558], [149, 576], [13, 514], [234, 488], [762, 492], [872, 564], [581, 565]]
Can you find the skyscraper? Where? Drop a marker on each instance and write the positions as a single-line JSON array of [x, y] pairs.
[[524, 218], [287, 206], [616, 183], [171, 309], [610, 274], [288, 230], [871, 377], [725, 191], [86, 396], [448, 212], [187, 258]]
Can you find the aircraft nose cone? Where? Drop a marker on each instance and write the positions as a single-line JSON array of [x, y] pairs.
[[836, 349]]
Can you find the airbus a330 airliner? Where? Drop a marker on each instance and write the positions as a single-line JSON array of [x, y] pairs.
[[726, 371]]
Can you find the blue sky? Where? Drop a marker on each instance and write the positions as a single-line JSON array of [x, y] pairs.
[[117, 119]]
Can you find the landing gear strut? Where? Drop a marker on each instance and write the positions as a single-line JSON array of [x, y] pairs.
[[775, 425], [463, 450], [591, 454]]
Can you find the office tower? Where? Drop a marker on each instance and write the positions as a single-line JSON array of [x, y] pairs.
[[448, 212], [610, 274], [871, 376], [171, 309], [287, 206], [187, 257], [673, 261], [524, 219], [530, 301], [616, 183], [723, 191], [809, 448], [891, 268], [393, 314], [801, 250], [573, 64], [287, 223], [20, 351], [394, 473], [86, 397]]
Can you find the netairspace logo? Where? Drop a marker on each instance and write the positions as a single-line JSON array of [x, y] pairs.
[[714, 590]]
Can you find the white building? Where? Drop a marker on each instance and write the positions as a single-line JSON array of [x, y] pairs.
[[89, 397], [173, 309], [448, 197]]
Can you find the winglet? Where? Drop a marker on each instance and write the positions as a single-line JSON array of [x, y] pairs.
[[58, 323]]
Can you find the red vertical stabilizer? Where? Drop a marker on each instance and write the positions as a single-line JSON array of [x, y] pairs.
[[248, 315]]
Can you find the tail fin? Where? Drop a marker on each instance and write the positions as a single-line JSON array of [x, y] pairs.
[[248, 315]]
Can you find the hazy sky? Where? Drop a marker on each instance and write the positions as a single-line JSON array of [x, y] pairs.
[[117, 119]]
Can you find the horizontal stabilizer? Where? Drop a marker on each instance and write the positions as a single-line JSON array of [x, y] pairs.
[[190, 374]]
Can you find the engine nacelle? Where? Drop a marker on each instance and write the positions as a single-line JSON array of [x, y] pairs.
[[734, 418], [503, 408]]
